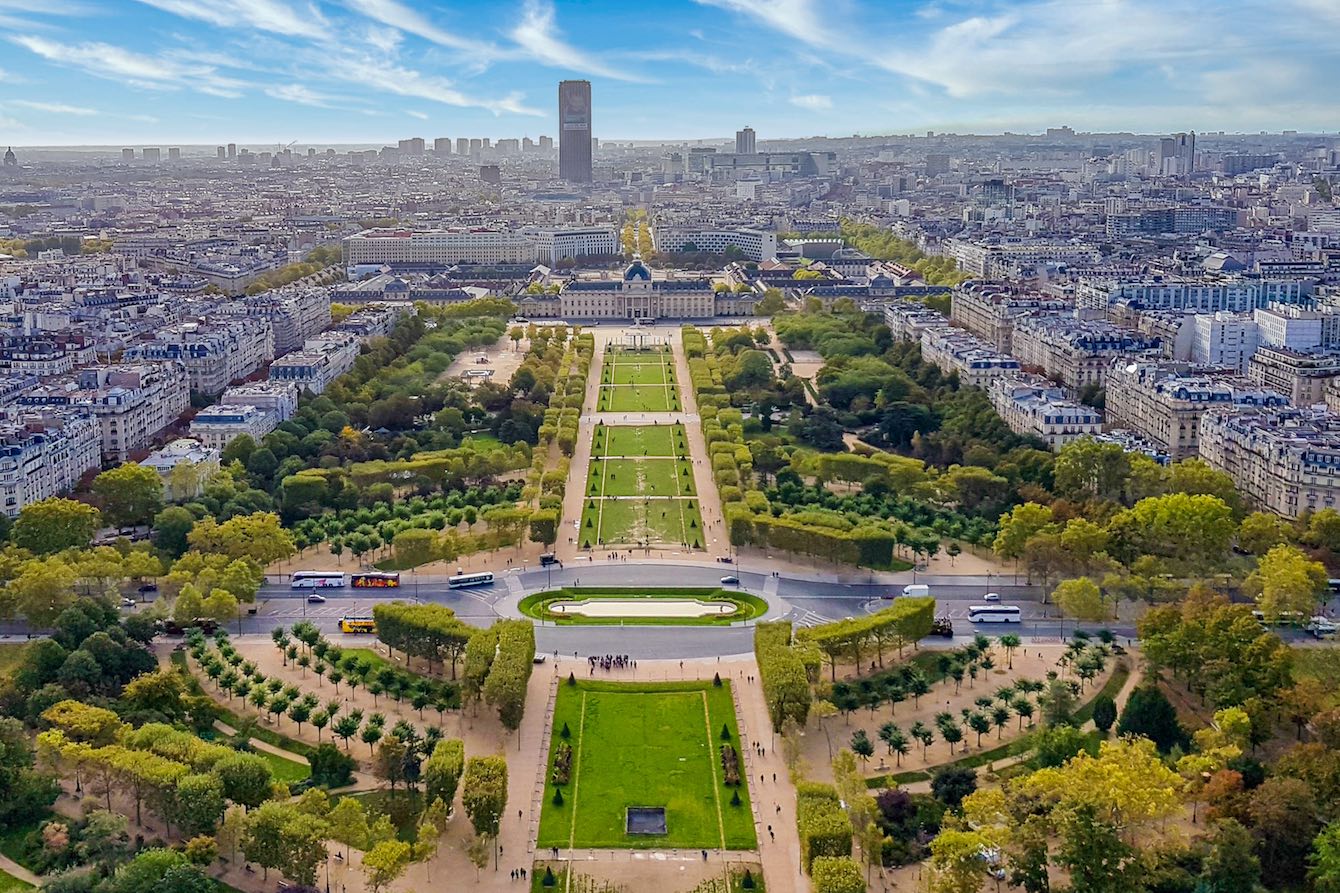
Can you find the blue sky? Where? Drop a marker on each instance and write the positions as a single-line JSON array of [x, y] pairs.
[[341, 71]]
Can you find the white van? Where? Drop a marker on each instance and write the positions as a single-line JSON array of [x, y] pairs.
[[916, 590]]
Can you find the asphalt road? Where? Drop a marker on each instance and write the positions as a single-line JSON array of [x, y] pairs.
[[805, 602]]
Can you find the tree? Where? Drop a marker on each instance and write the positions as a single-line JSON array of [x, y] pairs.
[[129, 494], [246, 779], [1284, 819], [1087, 469], [171, 527], [484, 794], [281, 836], [1325, 860], [1286, 582], [1056, 703], [1230, 866], [258, 536], [956, 864], [1149, 713], [1261, 531], [348, 824], [1082, 599], [442, 771], [1104, 713], [1093, 851], [950, 784], [836, 874], [54, 524], [1018, 526], [384, 864], [198, 804]]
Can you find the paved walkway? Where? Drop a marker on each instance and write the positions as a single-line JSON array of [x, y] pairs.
[[14, 869]]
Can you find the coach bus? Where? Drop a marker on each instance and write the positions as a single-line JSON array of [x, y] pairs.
[[461, 581], [359, 624], [316, 580], [995, 614], [375, 580]]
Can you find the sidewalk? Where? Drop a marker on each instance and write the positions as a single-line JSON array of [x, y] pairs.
[[15, 870]]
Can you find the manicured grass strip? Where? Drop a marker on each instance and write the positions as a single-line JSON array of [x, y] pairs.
[[1120, 673], [645, 744], [10, 657], [640, 440], [747, 607], [11, 839], [287, 771], [9, 883]]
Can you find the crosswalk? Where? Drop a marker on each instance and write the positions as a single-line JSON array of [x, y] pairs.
[[345, 608], [807, 618]]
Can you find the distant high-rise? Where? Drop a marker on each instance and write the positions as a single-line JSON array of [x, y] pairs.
[[232, 150], [490, 173], [174, 154], [221, 152], [442, 145], [546, 144], [1177, 155], [476, 147], [744, 141], [127, 154], [574, 134], [462, 146], [411, 146], [153, 154]]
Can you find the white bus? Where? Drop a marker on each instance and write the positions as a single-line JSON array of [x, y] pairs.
[[995, 614], [316, 580], [460, 581]]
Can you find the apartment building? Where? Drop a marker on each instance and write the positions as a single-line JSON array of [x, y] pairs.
[[1301, 375], [43, 453], [1286, 461], [45, 355], [975, 362], [215, 350], [1223, 339], [1200, 295], [294, 314], [434, 250], [556, 244], [1164, 402], [909, 320], [995, 260], [321, 361], [183, 451], [989, 309], [132, 402], [279, 398], [1077, 353], [755, 244], [217, 426], [1032, 405]]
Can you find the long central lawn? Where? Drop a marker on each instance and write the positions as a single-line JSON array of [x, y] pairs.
[[657, 441], [645, 744], [641, 477], [638, 398]]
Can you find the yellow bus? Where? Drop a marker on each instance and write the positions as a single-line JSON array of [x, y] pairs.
[[364, 625]]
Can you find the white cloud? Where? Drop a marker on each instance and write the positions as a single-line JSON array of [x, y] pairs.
[[398, 15], [54, 108], [299, 94], [815, 102], [413, 114], [136, 69], [374, 72], [798, 18], [275, 16], [535, 34]]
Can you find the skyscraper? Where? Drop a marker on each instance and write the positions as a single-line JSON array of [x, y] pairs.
[[744, 141], [574, 131]]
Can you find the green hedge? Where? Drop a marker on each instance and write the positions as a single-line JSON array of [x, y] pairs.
[[823, 825], [781, 669]]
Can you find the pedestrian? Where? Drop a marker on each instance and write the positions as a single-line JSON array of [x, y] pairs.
[[779, 808], [774, 778]]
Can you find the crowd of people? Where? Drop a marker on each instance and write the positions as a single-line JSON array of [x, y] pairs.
[[610, 662]]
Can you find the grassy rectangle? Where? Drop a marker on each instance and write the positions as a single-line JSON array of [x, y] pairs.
[[285, 770], [641, 440], [638, 398], [636, 477], [620, 521], [644, 371], [645, 745]]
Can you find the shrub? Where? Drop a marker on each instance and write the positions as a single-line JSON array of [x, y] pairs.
[[331, 767], [725, 732], [558, 796], [562, 763], [730, 763], [822, 823], [735, 798]]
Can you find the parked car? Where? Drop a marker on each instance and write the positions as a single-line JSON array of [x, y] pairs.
[[128, 603], [148, 587], [991, 597], [916, 590], [730, 581], [943, 627], [315, 599]]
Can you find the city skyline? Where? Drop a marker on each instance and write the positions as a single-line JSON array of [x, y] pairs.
[[366, 71]]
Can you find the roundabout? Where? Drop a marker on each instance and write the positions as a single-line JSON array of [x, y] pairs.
[[642, 606]]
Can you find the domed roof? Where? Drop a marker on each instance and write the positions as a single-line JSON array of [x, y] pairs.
[[637, 270]]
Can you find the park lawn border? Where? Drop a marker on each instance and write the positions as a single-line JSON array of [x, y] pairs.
[[748, 607], [719, 709], [11, 884]]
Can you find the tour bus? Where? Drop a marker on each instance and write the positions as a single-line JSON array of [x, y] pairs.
[[316, 580], [375, 580], [358, 624], [460, 581], [995, 614]]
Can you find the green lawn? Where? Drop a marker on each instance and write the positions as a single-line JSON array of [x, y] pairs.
[[285, 770], [402, 807], [640, 440], [640, 477], [747, 606], [651, 744], [12, 836], [10, 883], [10, 656], [675, 522], [640, 371], [638, 398]]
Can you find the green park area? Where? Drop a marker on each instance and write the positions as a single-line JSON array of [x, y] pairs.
[[640, 489], [673, 746], [641, 602], [638, 381]]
